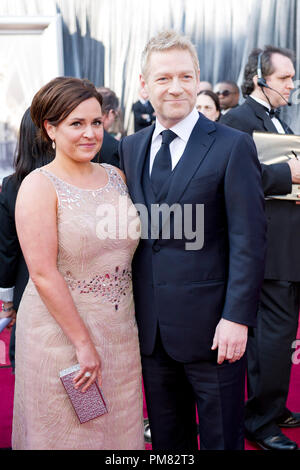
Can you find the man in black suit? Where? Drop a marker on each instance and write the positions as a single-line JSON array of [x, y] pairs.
[[194, 299], [13, 269], [31, 152], [267, 85], [143, 112], [110, 108]]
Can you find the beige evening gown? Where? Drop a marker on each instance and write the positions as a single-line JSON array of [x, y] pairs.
[[98, 273]]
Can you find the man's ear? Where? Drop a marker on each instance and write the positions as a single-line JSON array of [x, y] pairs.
[[143, 84], [50, 129], [254, 79], [198, 81]]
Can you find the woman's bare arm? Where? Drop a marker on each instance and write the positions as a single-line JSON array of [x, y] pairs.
[[36, 222]]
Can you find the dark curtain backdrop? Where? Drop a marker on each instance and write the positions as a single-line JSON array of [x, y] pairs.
[[103, 39]]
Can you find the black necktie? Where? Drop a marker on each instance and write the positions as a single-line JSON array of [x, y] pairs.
[[162, 165]]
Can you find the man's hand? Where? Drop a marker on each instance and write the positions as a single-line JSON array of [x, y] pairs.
[[294, 165], [8, 312], [231, 340]]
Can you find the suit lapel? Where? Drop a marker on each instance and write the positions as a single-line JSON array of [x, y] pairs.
[[260, 112], [196, 149], [139, 154]]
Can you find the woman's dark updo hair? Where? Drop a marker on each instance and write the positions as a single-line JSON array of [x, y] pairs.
[[58, 98], [31, 151]]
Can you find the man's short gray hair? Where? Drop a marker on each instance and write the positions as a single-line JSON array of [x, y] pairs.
[[165, 41]]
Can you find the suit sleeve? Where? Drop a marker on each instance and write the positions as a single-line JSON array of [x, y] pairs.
[[276, 178], [10, 250], [109, 151], [114, 157], [138, 111], [121, 159], [244, 202]]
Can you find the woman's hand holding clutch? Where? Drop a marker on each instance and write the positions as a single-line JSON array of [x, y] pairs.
[[90, 366]]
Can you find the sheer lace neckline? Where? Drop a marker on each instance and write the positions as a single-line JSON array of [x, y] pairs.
[[78, 187]]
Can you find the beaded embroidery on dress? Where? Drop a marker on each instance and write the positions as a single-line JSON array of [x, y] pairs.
[[97, 270]]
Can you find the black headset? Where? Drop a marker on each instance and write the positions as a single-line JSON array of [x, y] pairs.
[[260, 79]]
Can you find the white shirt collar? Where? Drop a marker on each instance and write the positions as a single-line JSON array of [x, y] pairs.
[[262, 102], [183, 129], [275, 121]]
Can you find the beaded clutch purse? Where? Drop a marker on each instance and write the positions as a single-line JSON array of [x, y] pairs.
[[87, 405]]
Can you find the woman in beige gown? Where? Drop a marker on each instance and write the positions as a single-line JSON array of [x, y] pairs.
[[78, 304]]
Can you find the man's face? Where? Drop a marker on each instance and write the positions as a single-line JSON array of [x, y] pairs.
[[280, 80], [228, 95], [109, 118], [172, 85]]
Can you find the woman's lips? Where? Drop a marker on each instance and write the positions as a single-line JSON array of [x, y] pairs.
[[87, 145]]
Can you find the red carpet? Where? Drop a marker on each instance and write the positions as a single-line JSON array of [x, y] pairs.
[[293, 402], [7, 386], [6, 392]]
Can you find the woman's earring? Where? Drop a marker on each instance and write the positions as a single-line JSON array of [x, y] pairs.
[[53, 144]]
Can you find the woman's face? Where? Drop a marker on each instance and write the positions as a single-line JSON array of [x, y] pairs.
[[206, 105], [79, 136]]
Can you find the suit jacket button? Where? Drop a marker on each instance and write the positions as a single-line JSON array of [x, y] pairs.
[[156, 248]]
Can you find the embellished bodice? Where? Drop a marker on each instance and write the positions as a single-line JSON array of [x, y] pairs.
[[98, 232]]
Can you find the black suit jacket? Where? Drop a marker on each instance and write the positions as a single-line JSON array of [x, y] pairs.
[[109, 151], [283, 254], [13, 269], [186, 292], [138, 109]]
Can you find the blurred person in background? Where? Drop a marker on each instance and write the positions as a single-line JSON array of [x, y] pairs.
[[229, 95], [267, 84], [208, 104], [31, 152], [143, 112], [204, 85], [110, 111]]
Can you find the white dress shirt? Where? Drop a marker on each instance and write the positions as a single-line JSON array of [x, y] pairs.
[[275, 121], [6, 294], [182, 129]]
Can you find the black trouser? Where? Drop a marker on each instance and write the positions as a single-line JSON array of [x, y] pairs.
[[174, 389], [269, 357], [12, 346]]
